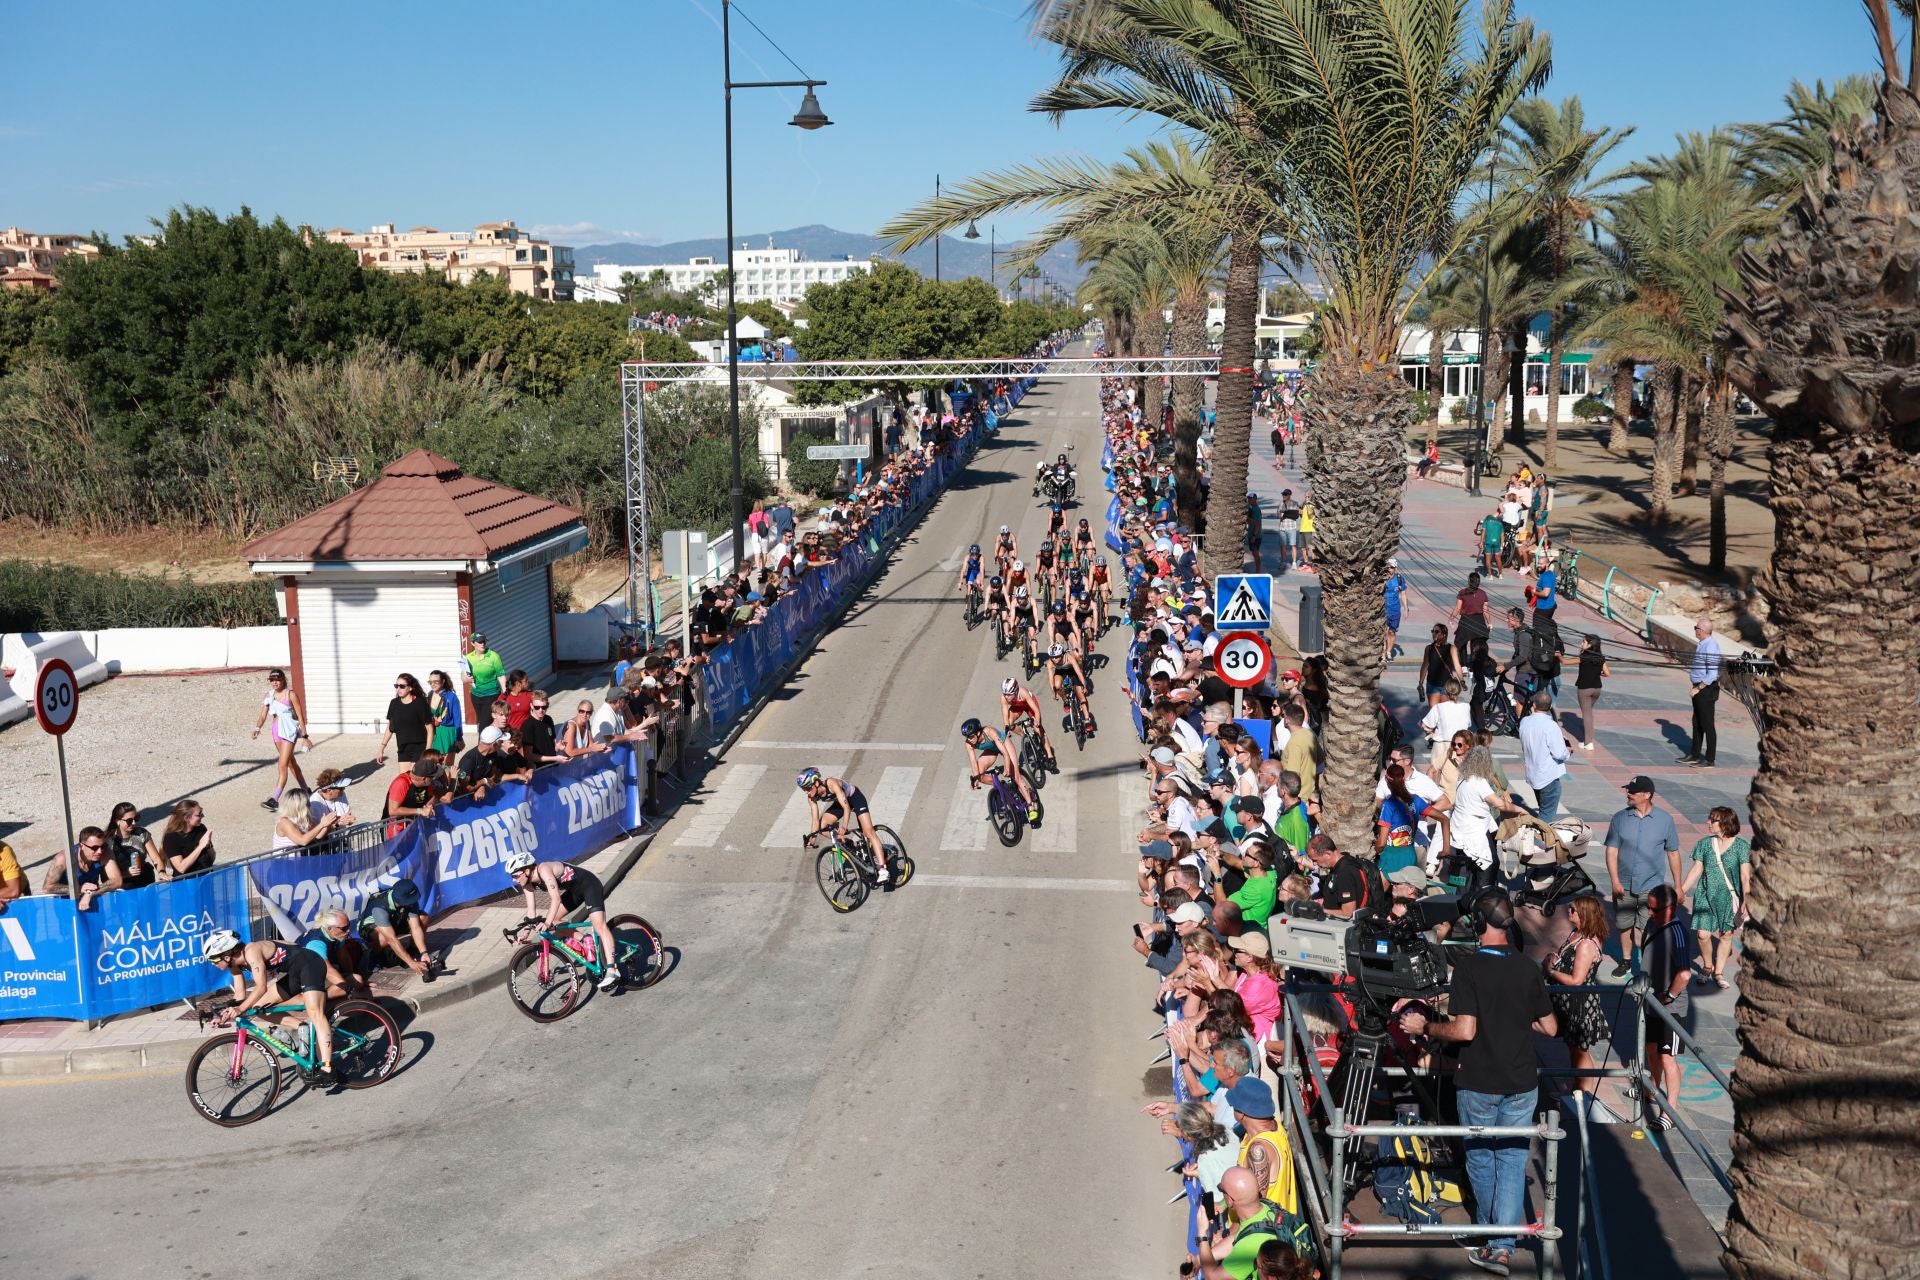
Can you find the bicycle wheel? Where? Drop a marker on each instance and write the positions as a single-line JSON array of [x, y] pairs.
[[841, 883], [1033, 760], [902, 871], [366, 1043], [232, 1092], [1007, 820], [547, 998], [894, 849], [642, 955], [1079, 718]]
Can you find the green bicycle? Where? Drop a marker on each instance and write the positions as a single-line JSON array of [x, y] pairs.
[[846, 870], [234, 1078], [549, 973]]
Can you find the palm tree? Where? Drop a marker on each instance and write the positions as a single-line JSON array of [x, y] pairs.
[[1821, 334], [1550, 158], [1781, 155]]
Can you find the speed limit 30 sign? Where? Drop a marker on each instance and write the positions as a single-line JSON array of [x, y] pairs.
[[56, 697], [1242, 660]]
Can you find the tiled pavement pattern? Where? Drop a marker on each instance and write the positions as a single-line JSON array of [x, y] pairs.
[[1644, 722]]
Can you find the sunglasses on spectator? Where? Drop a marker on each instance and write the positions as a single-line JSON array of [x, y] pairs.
[[95, 847], [539, 706]]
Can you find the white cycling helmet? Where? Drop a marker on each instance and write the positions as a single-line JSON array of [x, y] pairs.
[[1019, 593], [1057, 651], [1009, 686], [219, 943], [519, 861], [1019, 566], [1005, 530]]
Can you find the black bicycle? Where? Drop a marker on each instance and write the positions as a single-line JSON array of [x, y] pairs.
[[972, 615]]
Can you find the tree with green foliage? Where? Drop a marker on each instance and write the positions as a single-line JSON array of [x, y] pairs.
[[810, 475], [24, 313]]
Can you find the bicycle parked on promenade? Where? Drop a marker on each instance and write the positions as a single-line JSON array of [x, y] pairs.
[[845, 866], [235, 1077], [548, 975]]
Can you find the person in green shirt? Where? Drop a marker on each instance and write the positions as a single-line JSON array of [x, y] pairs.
[[483, 670], [1230, 1248], [1292, 825], [1256, 897]]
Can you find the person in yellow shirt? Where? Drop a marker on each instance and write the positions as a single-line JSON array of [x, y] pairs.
[[1301, 755], [1265, 1151], [1306, 535], [13, 881]]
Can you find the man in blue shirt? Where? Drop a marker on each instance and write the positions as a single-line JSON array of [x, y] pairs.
[[1545, 598], [1704, 674], [1643, 852], [1543, 748]]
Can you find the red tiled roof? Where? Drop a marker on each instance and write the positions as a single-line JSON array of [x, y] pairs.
[[421, 508]]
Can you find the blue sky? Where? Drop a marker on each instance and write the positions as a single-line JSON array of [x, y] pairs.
[[595, 121]]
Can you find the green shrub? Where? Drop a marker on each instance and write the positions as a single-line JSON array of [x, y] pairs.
[[36, 596], [1423, 406], [700, 493], [1460, 411], [809, 475], [1591, 408]]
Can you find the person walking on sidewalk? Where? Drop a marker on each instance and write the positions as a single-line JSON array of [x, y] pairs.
[[1396, 590], [483, 670], [1587, 685], [1643, 853], [1498, 1003], [1704, 674], [1543, 748], [1289, 530], [1719, 880]]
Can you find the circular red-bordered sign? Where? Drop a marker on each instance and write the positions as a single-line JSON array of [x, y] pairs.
[[1242, 660], [56, 697]]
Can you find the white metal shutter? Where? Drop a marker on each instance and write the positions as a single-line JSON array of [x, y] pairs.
[[357, 634], [516, 620]]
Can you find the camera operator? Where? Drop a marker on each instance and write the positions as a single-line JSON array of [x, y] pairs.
[[1497, 999], [1347, 884]]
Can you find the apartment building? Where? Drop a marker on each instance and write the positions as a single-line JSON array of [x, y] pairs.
[[529, 266], [28, 258], [760, 275]]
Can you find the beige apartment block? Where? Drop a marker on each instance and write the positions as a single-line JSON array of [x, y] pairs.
[[529, 266], [28, 258]]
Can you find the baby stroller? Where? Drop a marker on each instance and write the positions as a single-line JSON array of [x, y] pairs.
[[1549, 856]]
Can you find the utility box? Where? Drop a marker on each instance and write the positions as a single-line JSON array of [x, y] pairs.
[[683, 553], [1313, 620]]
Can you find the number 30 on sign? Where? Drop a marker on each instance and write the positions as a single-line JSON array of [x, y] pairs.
[[1243, 660], [56, 697]]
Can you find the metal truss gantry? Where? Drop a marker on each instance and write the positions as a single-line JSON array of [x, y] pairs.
[[638, 379]]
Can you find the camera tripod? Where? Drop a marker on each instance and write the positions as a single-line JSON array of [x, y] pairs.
[[1362, 1064]]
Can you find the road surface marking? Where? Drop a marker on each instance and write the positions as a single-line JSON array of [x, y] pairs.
[[952, 562], [1057, 825], [892, 797], [966, 829], [843, 746], [792, 822], [1023, 882], [719, 805]]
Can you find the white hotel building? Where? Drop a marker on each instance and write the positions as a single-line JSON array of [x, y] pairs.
[[760, 275]]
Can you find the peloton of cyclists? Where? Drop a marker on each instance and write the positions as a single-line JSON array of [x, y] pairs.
[[987, 751], [1017, 700], [830, 801], [280, 972], [568, 889]]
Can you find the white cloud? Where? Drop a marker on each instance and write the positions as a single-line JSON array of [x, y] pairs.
[[590, 233]]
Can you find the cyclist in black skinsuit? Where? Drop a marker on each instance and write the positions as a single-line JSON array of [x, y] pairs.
[[835, 802], [568, 889], [281, 972]]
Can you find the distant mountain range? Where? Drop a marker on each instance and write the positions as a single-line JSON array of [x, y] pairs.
[[958, 258]]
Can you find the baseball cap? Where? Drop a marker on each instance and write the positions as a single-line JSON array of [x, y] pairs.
[[1158, 850], [476, 638], [493, 733], [1292, 675], [1163, 755], [1247, 804], [421, 769], [1254, 944], [1639, 782], [1188, 913], [1413, 877], [1252, 1096]]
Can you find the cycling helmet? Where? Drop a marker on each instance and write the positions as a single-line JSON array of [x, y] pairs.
[[1083, 522], [404, 894], [969, 727], [518, 862], [1056, 508], [808, 777], [1059, 608], [1019, 593], [996, 582], [974, 550], [1057, 651], [1009, 686], [1046, 546], [219, 943], [1004, 531], [1019, 566]]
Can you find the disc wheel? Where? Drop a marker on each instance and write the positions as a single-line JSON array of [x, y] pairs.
[[841, 883], [1007, 821], [366, 1043], [231, 1094], [544, 997], [641, 954]]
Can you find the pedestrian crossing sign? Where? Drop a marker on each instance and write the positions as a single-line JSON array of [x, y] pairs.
[[1243, 602]]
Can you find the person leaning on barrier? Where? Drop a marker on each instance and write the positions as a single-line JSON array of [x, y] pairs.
[[98, 873], [330, 796], [1497, 1003], [415, 792], [13, 881]]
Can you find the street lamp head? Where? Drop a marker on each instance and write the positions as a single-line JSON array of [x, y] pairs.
[[810, 116], [973, 229]]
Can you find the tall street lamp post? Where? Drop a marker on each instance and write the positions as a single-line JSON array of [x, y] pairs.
[[936, 239], [808, 117], [993, 250]]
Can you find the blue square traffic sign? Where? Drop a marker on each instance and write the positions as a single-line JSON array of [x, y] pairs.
[[1243, 602]]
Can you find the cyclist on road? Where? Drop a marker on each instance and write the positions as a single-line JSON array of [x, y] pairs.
[[1056, 520], [1069, 679], [1101, 588], [568, 889], [830, 801], [987, 751], [1006, 550], [970, 571], [1017, 700], [996, 603], [1083, 623], [1083, 539], [280, 972]]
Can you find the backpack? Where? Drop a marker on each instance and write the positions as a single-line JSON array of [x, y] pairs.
[[1281, 1225], [1544, 654], [1403, 1178]]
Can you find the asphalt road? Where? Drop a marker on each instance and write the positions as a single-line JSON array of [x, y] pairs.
[[945, 1083]]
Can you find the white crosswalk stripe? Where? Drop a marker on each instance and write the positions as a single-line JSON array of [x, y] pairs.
[[719, 804], [966, 829], [791, 825], [891, 799], [1059, 826]]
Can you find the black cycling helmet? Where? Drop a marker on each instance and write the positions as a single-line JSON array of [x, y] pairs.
[[996, 582], [970, 728], [1056, 508], [974, 550], [1083, 522], [1060, 606]]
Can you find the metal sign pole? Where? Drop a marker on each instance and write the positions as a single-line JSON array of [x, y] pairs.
[[66, 807]]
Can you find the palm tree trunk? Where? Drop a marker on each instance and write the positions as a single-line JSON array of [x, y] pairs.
[[1551, 457], [1622, 407], [1493, 385], [1517, 385], [1153, 345], [1189, 339], [1356, 465], [1233, 408], [1436, 382], [1666, 410], [1719, 442], [1690, 458]]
